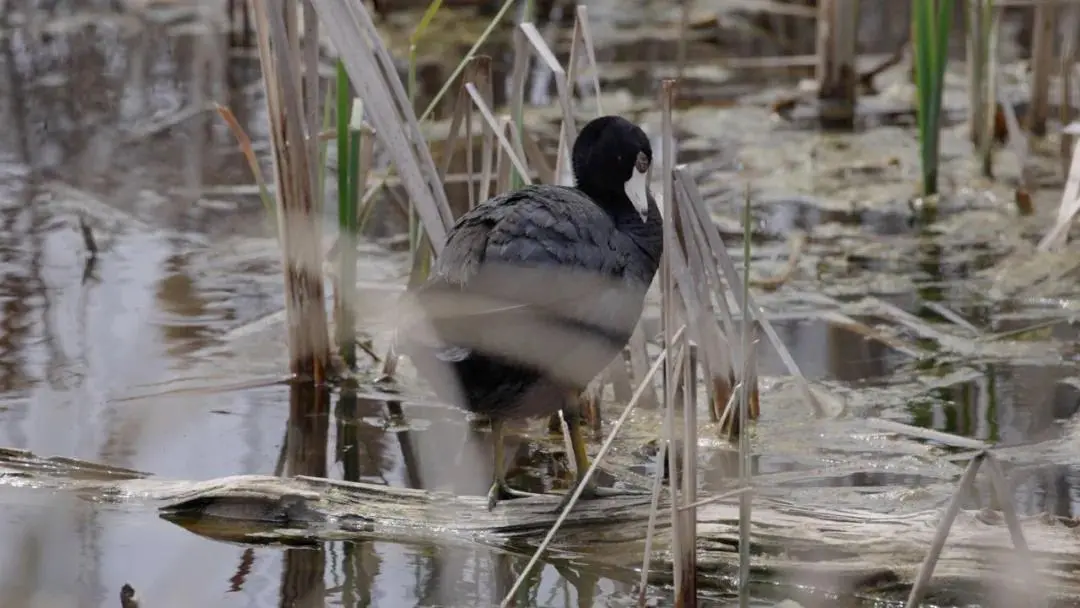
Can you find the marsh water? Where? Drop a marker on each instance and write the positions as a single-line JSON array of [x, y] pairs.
[[101, 126]]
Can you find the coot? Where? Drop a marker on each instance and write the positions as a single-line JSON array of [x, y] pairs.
[[537, 290]]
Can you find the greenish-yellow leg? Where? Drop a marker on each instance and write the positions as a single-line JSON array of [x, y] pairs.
[[500, 490], [577, 444], [581, 463]]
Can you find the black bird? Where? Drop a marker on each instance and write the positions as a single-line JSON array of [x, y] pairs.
[[537, 290]]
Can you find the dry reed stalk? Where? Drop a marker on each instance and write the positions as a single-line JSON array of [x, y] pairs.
[[714, 350], [498, 127], [1004, 495], [1066, 67], [1058, 235], [836, 72], [720, 265], [563, 172], [298, 206], [538, 159], [477, 72], [248, 151], [682, 544], [654, 507], [485, 77], [518, 75], [719, 365], [1018, 141], [583, 41], [684, 36], [503, 161], [747, 381], [1042, 63], [373, 74], [639, 364]]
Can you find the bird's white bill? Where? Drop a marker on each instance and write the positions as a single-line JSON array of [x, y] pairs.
[[637, 190]]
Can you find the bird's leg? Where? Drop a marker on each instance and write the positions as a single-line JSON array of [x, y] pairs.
[[500, 489], [581, 460]]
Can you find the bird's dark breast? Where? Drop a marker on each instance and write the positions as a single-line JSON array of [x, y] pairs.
[[560, 362]]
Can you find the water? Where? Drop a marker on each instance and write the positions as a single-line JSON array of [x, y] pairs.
[[90, 349]]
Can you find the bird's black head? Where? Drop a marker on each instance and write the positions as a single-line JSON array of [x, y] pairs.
[[611, 161]]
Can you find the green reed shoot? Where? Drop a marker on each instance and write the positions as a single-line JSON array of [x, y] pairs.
[[931, 22], [349, 188]]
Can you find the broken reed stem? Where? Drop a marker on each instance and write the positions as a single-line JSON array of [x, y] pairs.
[[1042, 63], [1065, 68], [248, 151], [926, 571], [293, 138], [580, 487], [836, 74], [685, 510]]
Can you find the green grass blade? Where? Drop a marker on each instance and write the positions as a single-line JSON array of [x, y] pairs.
[[414, 41], [348, 158], [942, 25], [425, 21], [931, 24], [344, 114]]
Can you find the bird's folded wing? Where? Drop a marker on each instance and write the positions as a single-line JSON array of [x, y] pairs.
[[538, 281]]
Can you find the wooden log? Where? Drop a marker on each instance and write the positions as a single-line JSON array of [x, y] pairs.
[[841, 551], [838, 551]]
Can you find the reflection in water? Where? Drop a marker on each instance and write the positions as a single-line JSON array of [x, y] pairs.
[[372, 572], [848, 356], [306, 448], [1004, 404]]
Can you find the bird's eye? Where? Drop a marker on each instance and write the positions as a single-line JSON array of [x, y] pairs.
[[642, 163]]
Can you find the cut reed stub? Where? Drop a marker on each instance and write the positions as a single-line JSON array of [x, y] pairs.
[[727, 407], [836, 74]]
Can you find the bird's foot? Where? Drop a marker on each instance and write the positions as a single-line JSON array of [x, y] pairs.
[[500, 490], [593, 492]]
